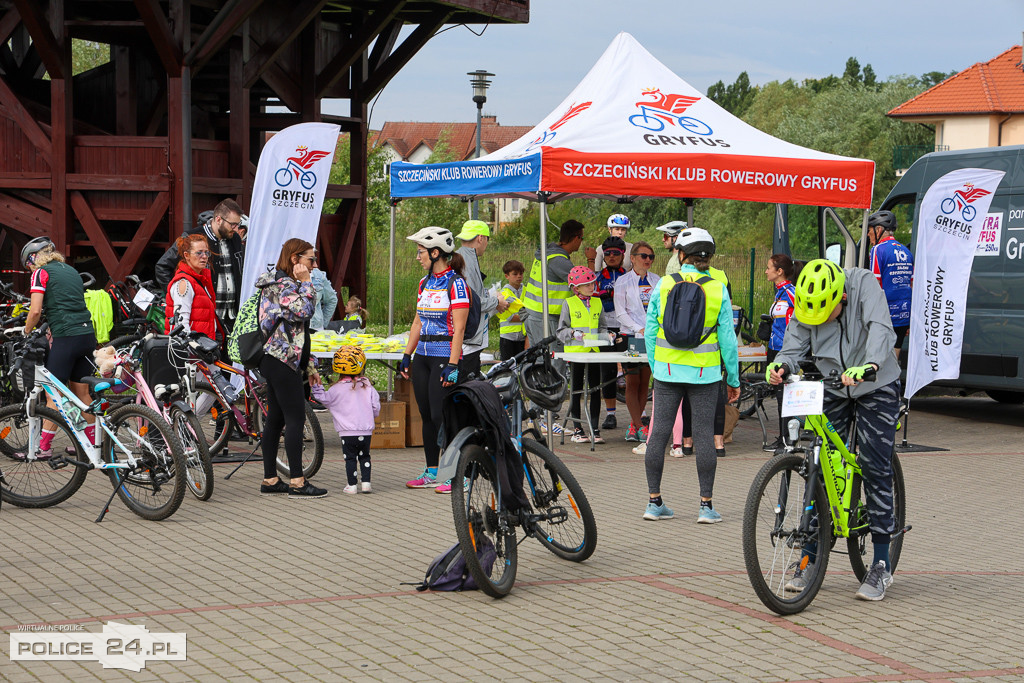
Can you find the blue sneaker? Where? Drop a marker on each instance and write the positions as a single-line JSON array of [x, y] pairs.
[[658, 512], [708, 516]]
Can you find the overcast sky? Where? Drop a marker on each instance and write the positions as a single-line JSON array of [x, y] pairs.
[[537, 64]]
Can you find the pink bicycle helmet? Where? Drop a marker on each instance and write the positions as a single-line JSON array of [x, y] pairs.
[[581, 275]]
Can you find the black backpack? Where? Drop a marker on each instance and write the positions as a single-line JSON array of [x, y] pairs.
[[448, 571], [684, 312]]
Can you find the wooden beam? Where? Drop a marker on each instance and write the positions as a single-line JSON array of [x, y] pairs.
[[23, 217], [381, 75], [284, 85], [227, 20], [167, 48], [35, 181], [126, 103], [96, 233], [222, 186], [385, 43], [303, 11], [8, 22], [353, 49], [239, 115], [62, 122], [43, 38], [28, 124], [157, 210], [138, 183], [335, 191]]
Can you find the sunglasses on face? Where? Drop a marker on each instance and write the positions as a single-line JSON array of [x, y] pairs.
[[647, 257], [201, 254], [612, 252]]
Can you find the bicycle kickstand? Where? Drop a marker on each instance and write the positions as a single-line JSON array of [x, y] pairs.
[[106, 508], [251, 453]]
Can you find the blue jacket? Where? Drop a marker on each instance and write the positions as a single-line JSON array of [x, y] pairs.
[[326, 299], [782, 311], [893, 266]]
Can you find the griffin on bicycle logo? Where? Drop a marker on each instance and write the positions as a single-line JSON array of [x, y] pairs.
[[297, 167], [549, 134], [662, 108], [961, 201]]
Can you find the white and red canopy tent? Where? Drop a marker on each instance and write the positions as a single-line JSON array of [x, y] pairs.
[[633, 128]]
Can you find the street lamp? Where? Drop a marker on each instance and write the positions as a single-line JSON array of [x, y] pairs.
[[480, 80]]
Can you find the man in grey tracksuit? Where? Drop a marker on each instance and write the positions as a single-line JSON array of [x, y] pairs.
[[858, 336], [475, 236]]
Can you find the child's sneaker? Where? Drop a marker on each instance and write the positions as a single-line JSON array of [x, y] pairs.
[[631, 433], [640, 448], [579, 437], [676, 452], [598, 438], [426, 480], [366, 488], [350, 489]]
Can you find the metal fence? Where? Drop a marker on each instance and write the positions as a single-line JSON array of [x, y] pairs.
[[745, 270]]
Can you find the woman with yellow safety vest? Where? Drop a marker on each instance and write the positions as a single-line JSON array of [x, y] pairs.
[[692, 372], [583, 318]]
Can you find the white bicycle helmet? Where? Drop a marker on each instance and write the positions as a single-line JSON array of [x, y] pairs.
[[618, 220], [696, 242], [672, 228], [34, 247], [433, 237]]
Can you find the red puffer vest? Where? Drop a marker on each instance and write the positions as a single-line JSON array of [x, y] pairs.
[[204, 312]]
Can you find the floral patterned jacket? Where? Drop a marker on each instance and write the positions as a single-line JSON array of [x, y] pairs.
[[292, 302]]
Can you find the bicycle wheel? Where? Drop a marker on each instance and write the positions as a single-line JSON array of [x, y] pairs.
[[215, 419], [486, 533], [857, 544], [37, 483], [123, 341], [155, 487], [312, 445], [198, 467], [774, 546], [570, 530]]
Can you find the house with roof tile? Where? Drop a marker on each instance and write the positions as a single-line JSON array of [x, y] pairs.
[[415, 141], [982, 106]]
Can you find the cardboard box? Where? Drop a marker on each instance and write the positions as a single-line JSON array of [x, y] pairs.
[[413, 422], [389, 427]]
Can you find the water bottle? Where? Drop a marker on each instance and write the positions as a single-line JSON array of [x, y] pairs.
[[73, 413]]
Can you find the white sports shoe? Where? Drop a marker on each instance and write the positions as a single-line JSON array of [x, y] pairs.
[[640, 448]]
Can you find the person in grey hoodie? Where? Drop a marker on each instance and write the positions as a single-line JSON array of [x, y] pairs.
[[841, 319], [475, 237]]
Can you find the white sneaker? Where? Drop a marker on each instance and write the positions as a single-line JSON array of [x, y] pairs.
[[640, 448], [365, 487], [351, 489], [580, 437], [676, 452]]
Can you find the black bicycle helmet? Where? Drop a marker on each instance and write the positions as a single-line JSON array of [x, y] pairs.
[[34, 247], [543, 385], [886, 219]]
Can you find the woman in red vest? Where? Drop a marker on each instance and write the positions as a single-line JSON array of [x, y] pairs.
[[191, 297]]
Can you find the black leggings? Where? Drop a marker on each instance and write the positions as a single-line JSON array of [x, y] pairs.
[[610, 371], [771, 353], [593, 371], [286, 412], [425, 374], [70, 358], [356, 450]]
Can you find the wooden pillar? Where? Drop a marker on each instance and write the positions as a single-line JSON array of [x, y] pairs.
[[62, 128], [179, 127], [308, 43], [239, 123], [356, 223], [127, 104]]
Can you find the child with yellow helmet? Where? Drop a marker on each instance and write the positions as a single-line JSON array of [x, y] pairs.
[[354, 404], [841, 320]]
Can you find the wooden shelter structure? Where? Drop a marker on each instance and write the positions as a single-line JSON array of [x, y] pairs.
[[114, 162]]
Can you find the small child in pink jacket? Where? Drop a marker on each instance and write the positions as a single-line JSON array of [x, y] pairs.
[[354, 404]]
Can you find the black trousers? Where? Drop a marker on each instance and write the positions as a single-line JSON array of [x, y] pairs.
[[357, 451], [425, 374], [508, 347], [286, 412], [593, 375]]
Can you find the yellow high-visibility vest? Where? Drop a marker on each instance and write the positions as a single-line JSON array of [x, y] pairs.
[[585, 317], [707, 355], [514, 304], [558, 292]]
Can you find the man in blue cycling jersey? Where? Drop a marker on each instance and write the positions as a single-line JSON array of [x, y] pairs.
[[893, 266]]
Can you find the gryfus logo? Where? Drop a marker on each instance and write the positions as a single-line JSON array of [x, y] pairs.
[[659, 109], [549, 134], [962, 200], [297, 167]]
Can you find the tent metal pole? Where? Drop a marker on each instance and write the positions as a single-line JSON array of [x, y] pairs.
[[689, 213], [544, 263], [391, 271], [863, 240]]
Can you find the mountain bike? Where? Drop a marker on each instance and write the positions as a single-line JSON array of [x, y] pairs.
[[220, 408], [558, 513], [138, 450], [804, 500]]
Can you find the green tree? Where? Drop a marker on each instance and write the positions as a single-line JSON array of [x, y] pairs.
[[735, 98]]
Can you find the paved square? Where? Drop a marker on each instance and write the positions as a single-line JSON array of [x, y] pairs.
[[266, 588]]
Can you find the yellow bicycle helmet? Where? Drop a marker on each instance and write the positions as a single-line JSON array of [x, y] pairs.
[[349, 360], [818, 290]]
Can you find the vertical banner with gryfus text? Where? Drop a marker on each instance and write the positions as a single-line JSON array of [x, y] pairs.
[[951, 217], [287, 195]]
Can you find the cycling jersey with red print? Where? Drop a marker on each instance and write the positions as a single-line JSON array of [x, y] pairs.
[[893, 265], [439, 295]]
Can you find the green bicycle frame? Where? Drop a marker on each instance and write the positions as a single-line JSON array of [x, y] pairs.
[[838, 466]]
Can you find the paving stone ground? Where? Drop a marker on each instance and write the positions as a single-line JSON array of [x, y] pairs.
[[266, 588]]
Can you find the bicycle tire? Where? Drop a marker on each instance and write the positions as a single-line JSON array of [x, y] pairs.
[[35, 484], [550, 485], [312, 445], [145, 491], [857, 545], [479, 518], [771, 551], [198, 466], [217, 421], [123, 340]]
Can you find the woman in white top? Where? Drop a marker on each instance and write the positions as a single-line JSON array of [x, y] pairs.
[[632, 294]]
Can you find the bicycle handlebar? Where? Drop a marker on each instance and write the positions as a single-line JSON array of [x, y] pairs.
[[521, 357]]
